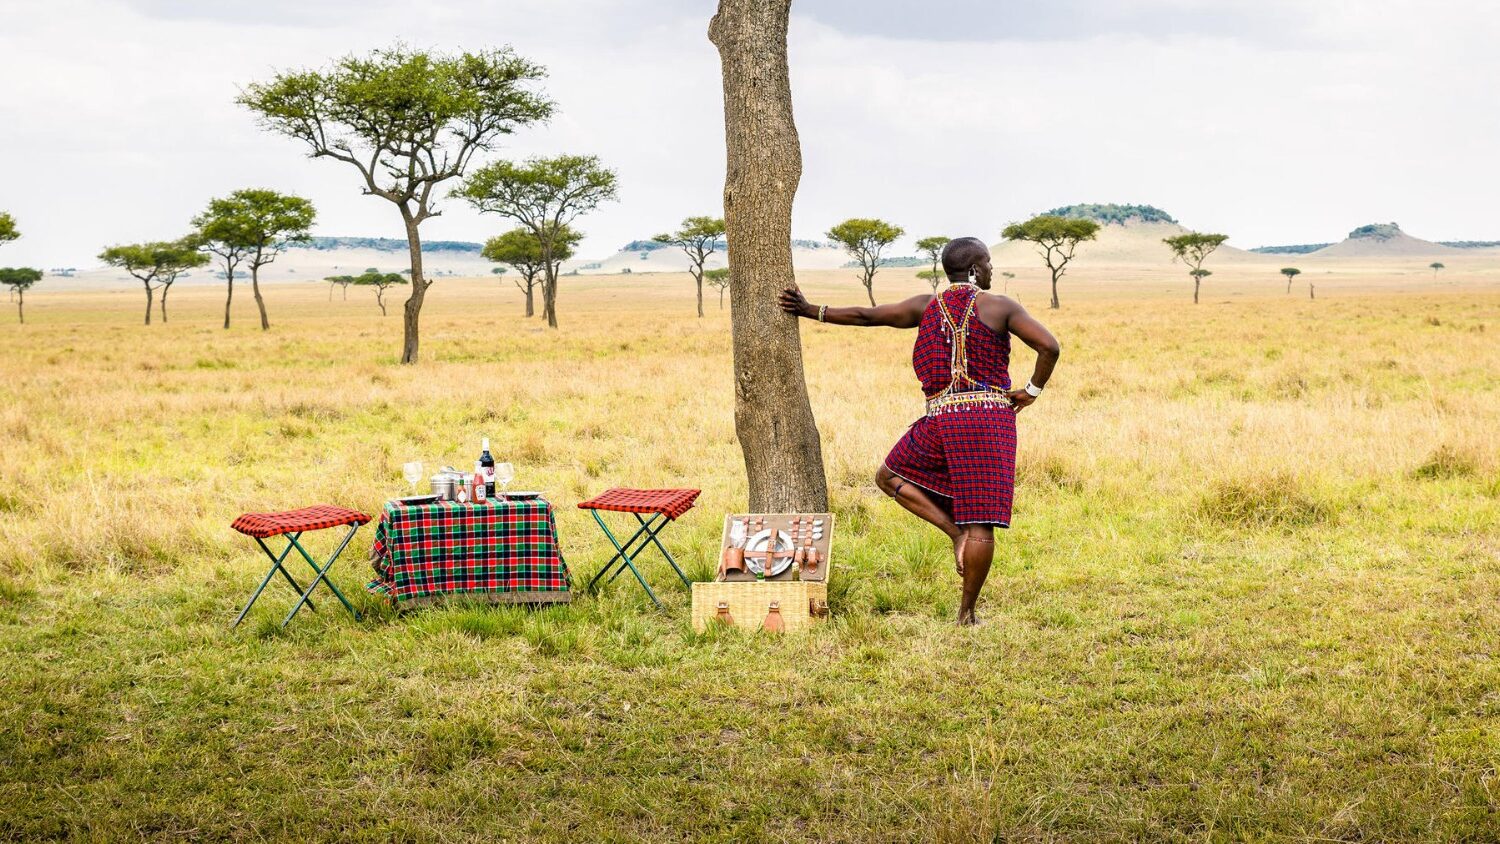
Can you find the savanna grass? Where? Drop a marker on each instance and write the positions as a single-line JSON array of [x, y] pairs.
[[1249, 595]]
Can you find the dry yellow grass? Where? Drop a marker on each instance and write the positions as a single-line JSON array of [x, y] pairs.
[[1250, 590]]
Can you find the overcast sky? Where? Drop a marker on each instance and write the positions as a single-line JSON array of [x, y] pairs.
[[1277, 121]]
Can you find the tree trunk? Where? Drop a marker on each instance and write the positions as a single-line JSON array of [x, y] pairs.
[[346, 291], [531, 299], [165, 289], [721, 298], [380, 300], [698, 279], [330, 298], [21, 305], [229, 297], [870, 289], [265, 324], [773, 418], [149, 296], [549, 302], [418, 291], [1288, 285], [1196, 281], [1055, 303], [1310, 291]]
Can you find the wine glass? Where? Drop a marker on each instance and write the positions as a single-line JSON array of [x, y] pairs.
[[413, 473], [504, 473]]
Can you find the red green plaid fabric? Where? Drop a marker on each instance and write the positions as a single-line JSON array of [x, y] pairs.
[[671, 503], [445, 548], [317, 517]]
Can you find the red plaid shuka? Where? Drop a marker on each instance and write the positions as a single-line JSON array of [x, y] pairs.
[[966, 453], [445, 548], [317, 517], [671, 503]]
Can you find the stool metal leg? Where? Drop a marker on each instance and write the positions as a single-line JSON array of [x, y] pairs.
[[276, 566], [652, 535], [323, 577], [624, 555]]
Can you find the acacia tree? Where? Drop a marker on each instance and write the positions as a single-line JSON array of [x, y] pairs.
[[699, 237], [932, 277], [407, 120], [1057, 237], [1290, 273], [255, 226], [932, 249], [544, 195], [157, 265], [19, 280], [340, 281], [1435, 266], [1193, 248], [773, 418], [8, 230], [864, 238], [1009, 277], [719, 279], [521, 250], [381, 282]]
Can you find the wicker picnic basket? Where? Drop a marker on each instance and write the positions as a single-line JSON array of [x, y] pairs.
[[802, 603]]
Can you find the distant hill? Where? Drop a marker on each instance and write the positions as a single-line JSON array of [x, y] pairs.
[[1111, 214], [388, 244], [1294, 249], [1470, 244], [1382, 240]]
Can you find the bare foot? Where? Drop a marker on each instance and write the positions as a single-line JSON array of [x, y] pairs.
[[958, 552]]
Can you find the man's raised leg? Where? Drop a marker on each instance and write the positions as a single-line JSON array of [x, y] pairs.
[[920, 504]]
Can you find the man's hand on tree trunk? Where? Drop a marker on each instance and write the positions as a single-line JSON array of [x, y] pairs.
[[793, 302]]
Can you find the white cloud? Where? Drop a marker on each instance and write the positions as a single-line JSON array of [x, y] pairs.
[[1298, 125]]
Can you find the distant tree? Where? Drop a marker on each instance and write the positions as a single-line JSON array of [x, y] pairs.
[[522, 250], [863, 238], [1009, 277], [1193, 248], [932, 249], [544, 195], [699, 238], [407, 120], [157, 265], [498, 270], [1290, 273], [932, 277], [1435, 266], [1057, 237], [379, 281], [8, 230], [342, 282], [253, 225], [719, 280], [19, 280]]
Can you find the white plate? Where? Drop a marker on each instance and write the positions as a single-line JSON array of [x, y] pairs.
[[783, 545]]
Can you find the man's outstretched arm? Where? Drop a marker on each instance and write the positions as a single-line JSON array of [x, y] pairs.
[[907, 314]]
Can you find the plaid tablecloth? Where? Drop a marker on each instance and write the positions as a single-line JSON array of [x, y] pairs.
[[499, 551]]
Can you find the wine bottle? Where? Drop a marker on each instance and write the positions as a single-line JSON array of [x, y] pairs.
[[487, 468]]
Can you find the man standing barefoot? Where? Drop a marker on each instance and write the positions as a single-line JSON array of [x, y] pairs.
[[956, 466]]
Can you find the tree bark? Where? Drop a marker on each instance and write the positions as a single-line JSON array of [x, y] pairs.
[[698, 279], [773, 418], [1055, 303], [265, 324], [870, 288], [21, 305], [149, 296], [1196, 282], [230, 298], [1310, 291], [413, 311], [165, 289]]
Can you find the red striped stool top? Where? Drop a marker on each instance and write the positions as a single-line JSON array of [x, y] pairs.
[[668, 502], [316, 517]]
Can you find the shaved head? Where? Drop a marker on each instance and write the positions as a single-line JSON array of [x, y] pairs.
[[963, 254]]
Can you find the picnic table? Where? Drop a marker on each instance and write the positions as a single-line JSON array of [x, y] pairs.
[[495, 551]]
